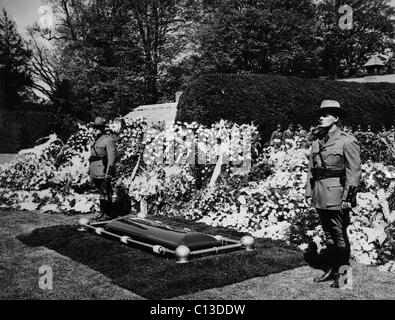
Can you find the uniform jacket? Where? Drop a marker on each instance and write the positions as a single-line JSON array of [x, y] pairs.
[[301, 134], [275, 135], [287, 134], [104, 147], [341, 151]]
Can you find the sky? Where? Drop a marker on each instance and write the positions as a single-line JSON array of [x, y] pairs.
[[25, 12]]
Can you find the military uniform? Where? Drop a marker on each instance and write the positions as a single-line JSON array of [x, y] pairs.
[[301, 133], [334, 174], [103, 153], [276, 138], [287, 135], [102, 160]]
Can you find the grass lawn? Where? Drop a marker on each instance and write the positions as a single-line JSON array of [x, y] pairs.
[[156, 277], [103, 269]]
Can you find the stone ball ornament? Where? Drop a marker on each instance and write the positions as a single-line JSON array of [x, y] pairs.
[[182, 253], [248, 242], [99, 231], [83, 222]]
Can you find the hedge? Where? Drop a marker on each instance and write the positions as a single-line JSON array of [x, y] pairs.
[[267, 100]]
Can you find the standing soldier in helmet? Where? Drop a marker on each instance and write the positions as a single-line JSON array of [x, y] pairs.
[[101, 167], [275, 139], [334, 174]]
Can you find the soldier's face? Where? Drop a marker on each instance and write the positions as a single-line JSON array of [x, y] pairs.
[[327, 120]]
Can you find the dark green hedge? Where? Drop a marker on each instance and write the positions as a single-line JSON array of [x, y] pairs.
[[267, 100]]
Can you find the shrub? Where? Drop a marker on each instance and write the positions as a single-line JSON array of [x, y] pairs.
[[267, 100]]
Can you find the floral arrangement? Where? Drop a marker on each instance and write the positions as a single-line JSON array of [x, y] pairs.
[[268, 201], [379, 147], [275, 207]]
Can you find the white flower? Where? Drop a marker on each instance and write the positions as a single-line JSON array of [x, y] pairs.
[[29, 206], [303, 246]]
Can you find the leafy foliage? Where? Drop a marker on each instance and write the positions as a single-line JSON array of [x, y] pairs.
[[267, 100], [260, 36], [15, 77], [344, 52]]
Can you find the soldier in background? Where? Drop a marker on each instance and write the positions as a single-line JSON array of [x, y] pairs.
[[391, 133], [101, 167], [347, 129], [334, 173], [358, 131], [383, 130], [288, 135], [310, 134], [276, 137], [301, 133]]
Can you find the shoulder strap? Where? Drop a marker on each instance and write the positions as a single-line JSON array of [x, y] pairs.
[[319, 153]]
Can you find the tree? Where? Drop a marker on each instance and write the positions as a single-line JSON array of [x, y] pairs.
[[344, 51], [161, 27], [261, 36], [95, 66], [115, 54], [15, 76]]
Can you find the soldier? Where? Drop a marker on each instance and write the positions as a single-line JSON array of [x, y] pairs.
[[311, 133], [333, 177], [275, 139], [288, 135], [301, 133], [347, 129], [101, 167], [391, 133], [358, 131]]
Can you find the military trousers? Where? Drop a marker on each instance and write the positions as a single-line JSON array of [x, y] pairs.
[[334, 224], [104, 188]]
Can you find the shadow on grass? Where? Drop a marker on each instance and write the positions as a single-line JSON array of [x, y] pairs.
[[156, 277]]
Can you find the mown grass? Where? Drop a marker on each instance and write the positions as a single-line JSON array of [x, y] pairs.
[[156, 277], [19, 266]]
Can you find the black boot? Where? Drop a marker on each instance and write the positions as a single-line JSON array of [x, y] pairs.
[[343, 267], [343, 280], [102, 212], [327, 276], [109, 210], [336, 282]]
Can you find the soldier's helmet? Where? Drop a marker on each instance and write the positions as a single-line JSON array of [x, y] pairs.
[[99, 122], [331, 107]]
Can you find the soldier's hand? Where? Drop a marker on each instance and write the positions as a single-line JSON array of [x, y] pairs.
[[346, 205], [308, 201]]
